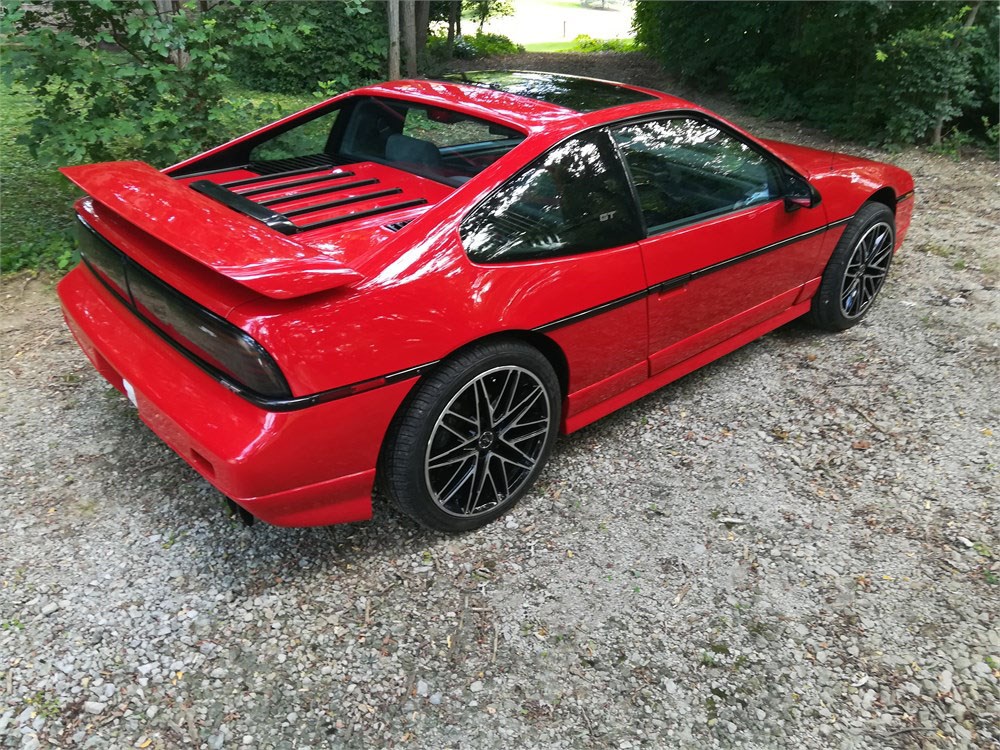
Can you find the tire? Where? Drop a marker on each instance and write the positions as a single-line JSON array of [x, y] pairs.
[[452, 470], [857, 269]]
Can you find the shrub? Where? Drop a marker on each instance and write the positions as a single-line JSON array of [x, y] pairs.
[[585, 43], [876, 71], [472, 47], [342, 44], [121, 80]]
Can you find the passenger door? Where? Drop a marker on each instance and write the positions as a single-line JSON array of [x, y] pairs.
[[721, 252]]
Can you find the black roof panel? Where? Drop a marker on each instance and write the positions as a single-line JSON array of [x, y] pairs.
[[580, 94]]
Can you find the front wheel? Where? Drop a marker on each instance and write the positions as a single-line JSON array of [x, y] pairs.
[[857, 269], [473, 437]]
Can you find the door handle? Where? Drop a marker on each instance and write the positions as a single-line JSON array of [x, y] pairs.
[[677, 284]]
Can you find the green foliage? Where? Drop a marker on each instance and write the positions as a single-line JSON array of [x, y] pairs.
[[876, 71], [483, 10], [44, 704], [584, 43], [121, 80], [923, 77], [342, 45], [472, 47], [35, 213]]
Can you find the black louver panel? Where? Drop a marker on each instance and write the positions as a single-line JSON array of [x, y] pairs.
[[397, 225], [276, 166], [238, 200]]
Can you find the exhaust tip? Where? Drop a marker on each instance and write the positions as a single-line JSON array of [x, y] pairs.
[[237, 510]]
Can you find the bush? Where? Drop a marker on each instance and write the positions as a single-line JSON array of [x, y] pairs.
[[472, 47], [340, 44], [876, 71], [121, 80], [585, 43]]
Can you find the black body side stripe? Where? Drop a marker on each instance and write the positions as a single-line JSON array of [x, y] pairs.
[[904, 196], [593, 311], [679, 281], [333, 394]]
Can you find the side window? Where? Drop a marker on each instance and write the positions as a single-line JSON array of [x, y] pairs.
[[574, 199], [307, 139], [687, 170]]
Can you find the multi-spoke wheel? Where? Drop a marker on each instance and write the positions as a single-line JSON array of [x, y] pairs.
[[857, 269], [473, 436]]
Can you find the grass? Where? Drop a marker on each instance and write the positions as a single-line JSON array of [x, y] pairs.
[[36, 201], [550, 46], [584, 43]]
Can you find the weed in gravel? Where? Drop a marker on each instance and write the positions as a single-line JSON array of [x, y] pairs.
[[172, 539], [14, 624], [45, 704], [982, 549], [934, 248]]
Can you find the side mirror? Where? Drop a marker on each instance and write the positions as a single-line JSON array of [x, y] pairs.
[[798, 193]]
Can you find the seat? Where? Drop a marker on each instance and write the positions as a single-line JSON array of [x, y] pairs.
[[403, 148]]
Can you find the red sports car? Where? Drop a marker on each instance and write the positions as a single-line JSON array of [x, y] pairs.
[[420, 283]]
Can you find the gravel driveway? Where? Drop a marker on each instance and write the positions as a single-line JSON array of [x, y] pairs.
[[795, 547]]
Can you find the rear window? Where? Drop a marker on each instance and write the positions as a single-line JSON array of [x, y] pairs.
[[431, 141], [434, 142]]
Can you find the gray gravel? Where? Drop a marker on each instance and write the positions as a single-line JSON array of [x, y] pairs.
[[795, 547]]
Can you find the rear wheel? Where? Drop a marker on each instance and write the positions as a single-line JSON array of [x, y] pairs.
[[473, 437], [857, 269]]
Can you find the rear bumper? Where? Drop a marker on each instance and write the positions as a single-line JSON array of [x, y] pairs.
[[311, 467]]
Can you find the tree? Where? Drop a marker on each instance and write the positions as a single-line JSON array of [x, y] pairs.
[[410, 37], [114, 80], [393, 40], [484, 10]]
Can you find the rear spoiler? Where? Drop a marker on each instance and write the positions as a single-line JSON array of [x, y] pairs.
[[231, 244]]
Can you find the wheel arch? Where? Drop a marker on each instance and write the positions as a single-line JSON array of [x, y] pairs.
[[549, 349], [886, 196]]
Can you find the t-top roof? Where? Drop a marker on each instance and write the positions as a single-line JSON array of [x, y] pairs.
[[571, 92]]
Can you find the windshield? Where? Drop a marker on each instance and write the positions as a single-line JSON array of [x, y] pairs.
[[433, 142]]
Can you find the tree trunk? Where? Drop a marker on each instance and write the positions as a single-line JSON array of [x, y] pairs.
[[393, 40], [423, 26], [454, 9], [410, 37], [179, 57]]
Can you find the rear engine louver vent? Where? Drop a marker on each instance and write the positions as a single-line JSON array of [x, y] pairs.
[[397, 225], [236, 195]]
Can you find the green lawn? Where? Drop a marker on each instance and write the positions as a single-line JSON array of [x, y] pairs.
[[584, 43], [550, 46], [35, 202]]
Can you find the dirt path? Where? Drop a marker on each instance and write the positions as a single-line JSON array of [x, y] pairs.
[[795, 547]]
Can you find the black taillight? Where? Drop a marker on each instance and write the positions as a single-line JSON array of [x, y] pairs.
[[213, 342], [212, 339], [104, 260]]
